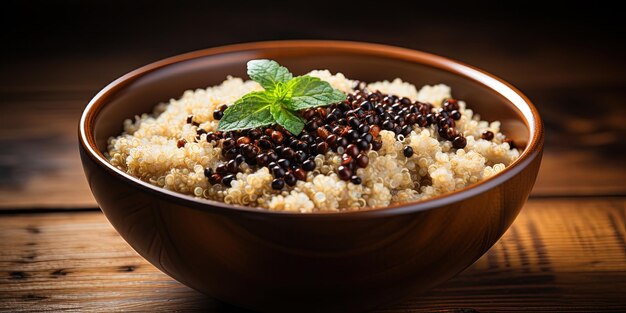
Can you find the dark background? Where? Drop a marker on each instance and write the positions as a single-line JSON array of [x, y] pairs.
[[564, 56]]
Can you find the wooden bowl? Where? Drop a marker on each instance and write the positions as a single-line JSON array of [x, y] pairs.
[[309, 262]]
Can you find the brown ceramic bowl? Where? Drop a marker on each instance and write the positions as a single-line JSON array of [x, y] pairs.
[[314, 262]]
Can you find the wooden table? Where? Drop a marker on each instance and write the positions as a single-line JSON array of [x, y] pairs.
[[565, 252]]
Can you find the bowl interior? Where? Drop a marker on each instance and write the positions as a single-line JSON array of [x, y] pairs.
[[139, 91]]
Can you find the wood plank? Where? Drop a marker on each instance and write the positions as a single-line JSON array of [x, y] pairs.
[[39, 161], [559, 255]]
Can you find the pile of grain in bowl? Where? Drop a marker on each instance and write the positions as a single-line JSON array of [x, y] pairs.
[[388, 143]]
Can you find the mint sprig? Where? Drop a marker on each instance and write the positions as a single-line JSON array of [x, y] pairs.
[[279, 103]]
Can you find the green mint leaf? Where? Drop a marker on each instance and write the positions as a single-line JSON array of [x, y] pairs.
[[308, 92], [287, 118], [252, 110], [279, 103], [268, 73]]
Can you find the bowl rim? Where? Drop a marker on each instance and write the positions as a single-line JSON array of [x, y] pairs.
[[524, 106]]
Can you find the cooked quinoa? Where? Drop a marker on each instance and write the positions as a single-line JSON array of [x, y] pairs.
[[150, 149]]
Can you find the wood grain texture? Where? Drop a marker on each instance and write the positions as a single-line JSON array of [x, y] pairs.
[[559, 255]]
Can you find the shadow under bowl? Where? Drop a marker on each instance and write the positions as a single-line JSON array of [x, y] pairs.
[[309, 262]]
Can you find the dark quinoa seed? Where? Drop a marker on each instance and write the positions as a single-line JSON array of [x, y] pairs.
[[290, 179], [228, 179], [228, 143], [208, 172], [352, 135], [264, 144], [250, 161], [459, 142], [344, 172], [430, 118], [288, 153], [232, 166], [284, 163], [308, 113], [321, 112], [442, 132], [487, 135], [262, 159], [277, 137], [300, 156], [422, 121], [342, 142], [362, 160], [308, 165], [215, 179], [450, 104], [217, 114], [278, 171], [406, 130], [364, 128], [355, 180], [278, 150], [376, 145], [408, 151], [352, 150], [366, 105], [221, 169], [353, 122], [254, 134], [311, 125], [451, 133], [306, 138], [243, 140], [300, 174], [455, 115], [362, 144], [331, 139], [387, 125], [399, 120], [272, 156], [367, 137], [240, 158], [278, 184], [322, 148], [411, 118]]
